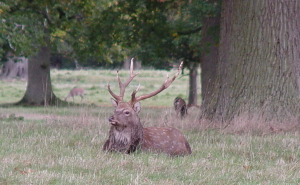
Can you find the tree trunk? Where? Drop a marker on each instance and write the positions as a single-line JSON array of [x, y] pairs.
[[15, 67], [258, 71], [209, 58], [39, 90], [193, 93]]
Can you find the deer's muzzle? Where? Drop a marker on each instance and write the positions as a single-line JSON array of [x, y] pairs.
[[112, 120]]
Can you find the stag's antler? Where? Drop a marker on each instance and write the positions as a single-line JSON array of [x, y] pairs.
[[123, 85], [164, 86]]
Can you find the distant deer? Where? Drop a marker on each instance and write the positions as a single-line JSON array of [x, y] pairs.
[[127, 133], [76, 92], [180, 107]]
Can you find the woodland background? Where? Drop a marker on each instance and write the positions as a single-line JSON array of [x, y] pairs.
[[241, 79], [247, 53]]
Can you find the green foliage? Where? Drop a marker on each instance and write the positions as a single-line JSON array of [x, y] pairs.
[[157, 32], [17, 29], [25, 24]]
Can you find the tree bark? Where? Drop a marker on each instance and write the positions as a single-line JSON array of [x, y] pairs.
[[39, 90], [258, 71], [193, 92], [209, 59], [15, 67]]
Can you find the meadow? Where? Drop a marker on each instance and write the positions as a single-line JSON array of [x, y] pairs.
[[63, 145]]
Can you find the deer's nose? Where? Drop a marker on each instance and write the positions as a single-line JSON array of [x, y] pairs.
[[111, 118]]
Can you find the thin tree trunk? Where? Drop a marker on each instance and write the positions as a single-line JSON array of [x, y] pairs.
[[15, 67], [258, 69], [193, 92]]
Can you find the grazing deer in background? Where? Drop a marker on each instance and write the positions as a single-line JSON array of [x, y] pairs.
[[127, 133], [76, 92], [180, 107]]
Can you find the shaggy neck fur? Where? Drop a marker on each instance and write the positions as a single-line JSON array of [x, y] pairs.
[[125, 137]]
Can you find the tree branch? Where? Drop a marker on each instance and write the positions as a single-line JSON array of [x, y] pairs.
[[190, 31]]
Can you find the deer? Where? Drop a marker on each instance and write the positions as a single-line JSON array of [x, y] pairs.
[[127, 134], [180, 107], [77, 91]]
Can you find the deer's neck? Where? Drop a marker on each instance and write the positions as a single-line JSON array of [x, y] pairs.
[[126, 139]]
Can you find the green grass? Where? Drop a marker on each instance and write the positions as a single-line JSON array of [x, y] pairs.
[[51, 145], [95, 83]]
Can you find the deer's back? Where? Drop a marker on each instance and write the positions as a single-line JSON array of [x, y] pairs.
[[77, 91], [165, 139]]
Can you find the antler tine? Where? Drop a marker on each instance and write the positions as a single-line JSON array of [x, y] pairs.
[[118, 98], [164, 86], [123, 85], [134, 93]]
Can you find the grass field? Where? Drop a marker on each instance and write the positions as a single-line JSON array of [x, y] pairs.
[[55, 145], [95, 84]]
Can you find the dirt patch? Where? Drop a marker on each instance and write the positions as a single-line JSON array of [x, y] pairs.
[[34, 116]]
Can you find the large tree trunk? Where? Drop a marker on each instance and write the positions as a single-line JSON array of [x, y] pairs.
[[258, 71], [209, 58], [39, 89]]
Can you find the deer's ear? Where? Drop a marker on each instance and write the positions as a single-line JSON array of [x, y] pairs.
[[137, 107], [114, 102]]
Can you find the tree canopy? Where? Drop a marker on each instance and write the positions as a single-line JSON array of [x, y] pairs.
[[68, 25], [157, 31], [153, 31]]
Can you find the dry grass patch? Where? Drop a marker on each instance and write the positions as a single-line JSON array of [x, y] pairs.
[[65, 148]]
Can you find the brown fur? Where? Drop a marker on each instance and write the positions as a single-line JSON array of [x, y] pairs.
[[168, 140], [180, 107], [78, 91], [124, 136], [126, 140], [127, 134]]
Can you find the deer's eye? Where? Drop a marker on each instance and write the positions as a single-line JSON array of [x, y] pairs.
[[127, 113]]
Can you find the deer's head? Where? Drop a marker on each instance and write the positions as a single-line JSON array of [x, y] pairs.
[[126, 113]]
